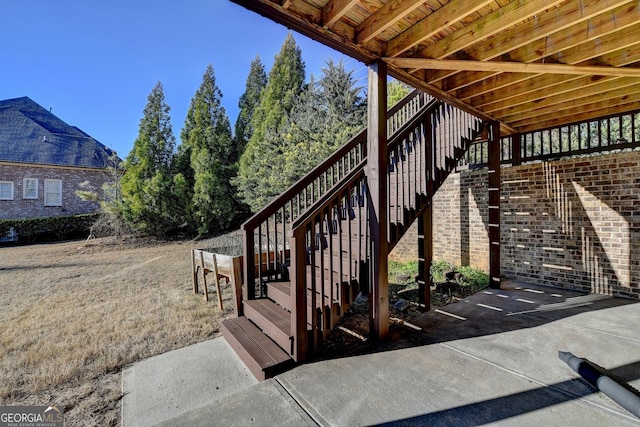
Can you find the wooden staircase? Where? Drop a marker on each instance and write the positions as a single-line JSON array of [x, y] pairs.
[[306, 255]]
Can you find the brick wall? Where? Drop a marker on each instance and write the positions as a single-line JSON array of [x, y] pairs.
[[460, 212], [20, 207], [573, 223]]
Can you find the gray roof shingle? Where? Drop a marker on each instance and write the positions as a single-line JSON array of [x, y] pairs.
[[30, 133]]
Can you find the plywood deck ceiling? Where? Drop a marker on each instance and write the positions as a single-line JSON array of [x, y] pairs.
[[530, 64]]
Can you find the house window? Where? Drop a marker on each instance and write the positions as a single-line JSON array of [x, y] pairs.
[[6, 190], [53, 192], [30, 188]]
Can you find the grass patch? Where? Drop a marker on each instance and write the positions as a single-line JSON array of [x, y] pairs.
[[75, 314], [402, 272], [465, 281]]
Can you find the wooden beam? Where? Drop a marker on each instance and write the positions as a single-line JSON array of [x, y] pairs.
[[385, 17], [512, 67], [609, 44], [487, 26], [604, 107], [425, 220], [336, 9], [550, 33], [376, 171], [444, 17], [557, 91], [578, 96], [585, 114], [236, 278], [543, 114], [516, 91], [586, 39], [557, 29], [576, 56]]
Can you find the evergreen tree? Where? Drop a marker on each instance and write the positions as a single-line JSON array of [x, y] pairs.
[[326, 115], [147, 183], [258, 178], [256, 82], [396, 90], [344, 104], [206, 136]]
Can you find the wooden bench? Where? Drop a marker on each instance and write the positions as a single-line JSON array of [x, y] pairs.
[[223, 267], [206, 262]]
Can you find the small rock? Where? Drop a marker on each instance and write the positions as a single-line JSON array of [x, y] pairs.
[[403, 277], [401, 305]]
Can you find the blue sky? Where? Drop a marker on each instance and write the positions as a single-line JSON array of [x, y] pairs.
[[95, 62]]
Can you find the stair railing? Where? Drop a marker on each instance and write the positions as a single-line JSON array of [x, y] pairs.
[[331, 239], [331, 242], [266, 234], [420, 156]]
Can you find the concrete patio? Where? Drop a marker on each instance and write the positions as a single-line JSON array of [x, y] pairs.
[[489, 359]]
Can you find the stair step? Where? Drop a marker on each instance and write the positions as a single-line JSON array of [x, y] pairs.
[[260, 354], [280, 293], [343, 296], [274, 320]]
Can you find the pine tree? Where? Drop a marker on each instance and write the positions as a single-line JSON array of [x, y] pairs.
[[206, 136], [147, 183], [249, 101], [396, 90], [257, 179], [344, 104], [326, 115]]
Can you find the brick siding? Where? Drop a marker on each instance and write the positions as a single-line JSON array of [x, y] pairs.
[[20, 208], [573, 223]]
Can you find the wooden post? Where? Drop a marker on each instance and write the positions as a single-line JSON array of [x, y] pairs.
[[217, 279], [204, 277], [425, 221], [494, 205], [425, 255], [249, 288], [516, 150], [236, 278], [194, 268], [299, 296], [376, 171]]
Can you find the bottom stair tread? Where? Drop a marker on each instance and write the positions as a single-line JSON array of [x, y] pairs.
[[263, 357]]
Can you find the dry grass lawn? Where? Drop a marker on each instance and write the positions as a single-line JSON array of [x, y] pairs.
[[73, 314]]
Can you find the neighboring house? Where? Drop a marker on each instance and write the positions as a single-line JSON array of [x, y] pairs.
[[44, 161]]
